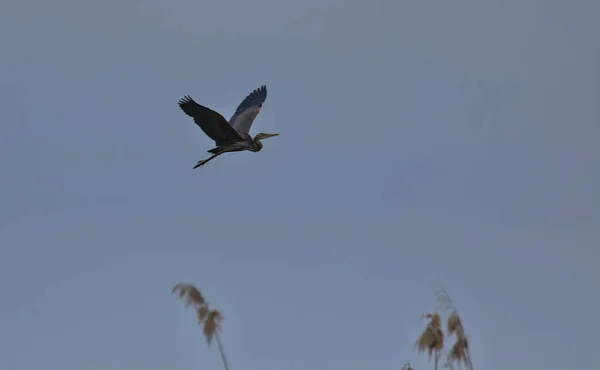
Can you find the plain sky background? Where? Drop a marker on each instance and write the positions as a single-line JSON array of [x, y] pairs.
[[422, 144]]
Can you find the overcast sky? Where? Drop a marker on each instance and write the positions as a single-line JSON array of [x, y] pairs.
[[423, 144]]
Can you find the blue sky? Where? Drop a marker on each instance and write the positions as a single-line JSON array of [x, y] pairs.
[[422, 144]]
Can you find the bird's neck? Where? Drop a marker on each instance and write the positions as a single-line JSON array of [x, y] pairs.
[[257, 144]]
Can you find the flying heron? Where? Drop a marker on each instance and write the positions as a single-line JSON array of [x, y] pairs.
[[232, 136]]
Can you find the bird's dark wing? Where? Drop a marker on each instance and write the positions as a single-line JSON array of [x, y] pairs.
[[212, 123], [248, 109]]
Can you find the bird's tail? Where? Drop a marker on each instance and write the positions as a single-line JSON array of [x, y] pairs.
[[214, 150]]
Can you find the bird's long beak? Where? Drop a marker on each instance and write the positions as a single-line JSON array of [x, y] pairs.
[[266, 136]]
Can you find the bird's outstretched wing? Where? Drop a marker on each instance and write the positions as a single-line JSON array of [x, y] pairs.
[[212, 123], [248, 109]]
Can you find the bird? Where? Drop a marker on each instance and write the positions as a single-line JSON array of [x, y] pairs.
[[232, 135]]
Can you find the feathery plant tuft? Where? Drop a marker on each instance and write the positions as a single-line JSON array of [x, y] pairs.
[[459, 353], [209, 319], [432, 338]]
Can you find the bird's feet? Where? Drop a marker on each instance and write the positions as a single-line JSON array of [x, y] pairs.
[[200, 163]]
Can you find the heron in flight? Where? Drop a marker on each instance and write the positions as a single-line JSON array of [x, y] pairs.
[[232, 136]]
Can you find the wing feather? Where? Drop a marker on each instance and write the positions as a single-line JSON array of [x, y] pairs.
[[212, 123], [248, 109]]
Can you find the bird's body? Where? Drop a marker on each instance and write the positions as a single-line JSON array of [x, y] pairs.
[[232, 136], [247, 143]]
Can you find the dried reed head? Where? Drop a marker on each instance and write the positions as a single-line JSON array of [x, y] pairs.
[[458, 352], [432, 338], [454, 325], [212, 323], [209, 319], [202, 313], [434, 319], [190, 292]]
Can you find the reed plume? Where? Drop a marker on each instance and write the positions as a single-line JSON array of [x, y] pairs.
[[459, 353], [432, 338], [209, 319]]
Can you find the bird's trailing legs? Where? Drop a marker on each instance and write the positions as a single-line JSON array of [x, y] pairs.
[[200, 163]]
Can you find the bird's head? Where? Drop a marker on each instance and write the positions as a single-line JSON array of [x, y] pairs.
[[262, 136], [259, 137]]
